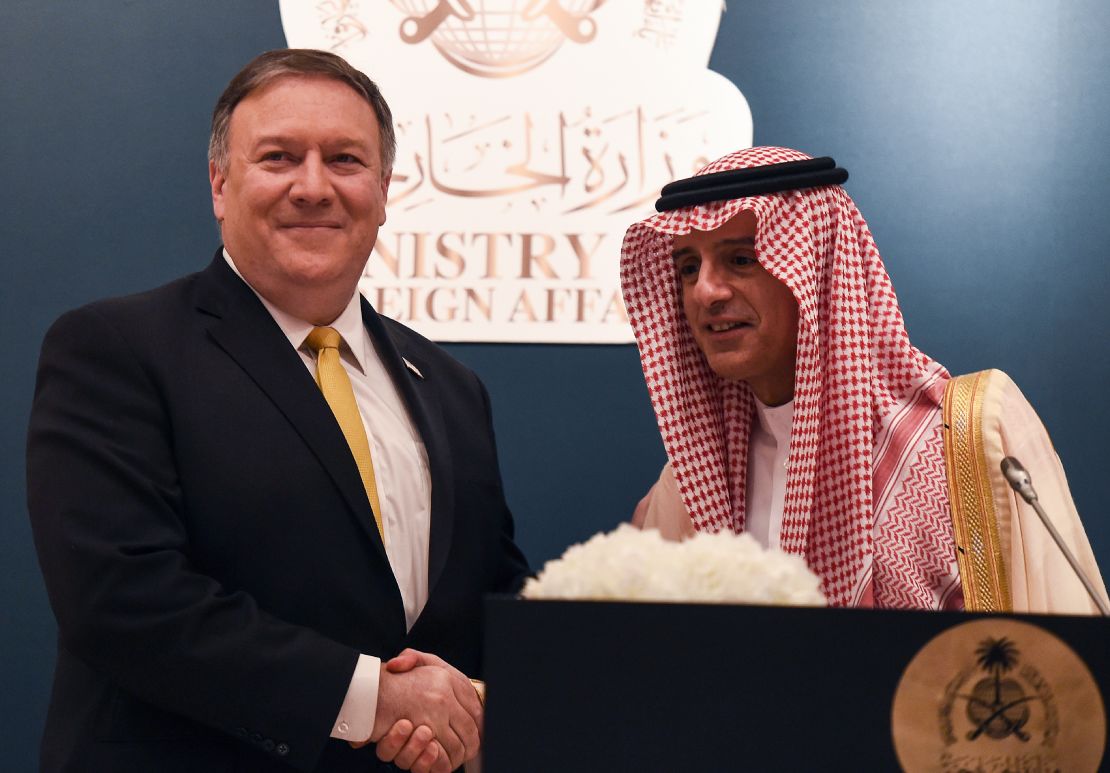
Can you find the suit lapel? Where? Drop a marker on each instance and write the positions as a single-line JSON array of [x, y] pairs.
[[415, 382], [242, 327]]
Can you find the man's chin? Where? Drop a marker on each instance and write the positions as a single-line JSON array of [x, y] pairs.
[[729, 367], [314, 237], [312, 255]]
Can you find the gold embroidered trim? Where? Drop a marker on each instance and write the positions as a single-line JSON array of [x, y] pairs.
[[983, 574]]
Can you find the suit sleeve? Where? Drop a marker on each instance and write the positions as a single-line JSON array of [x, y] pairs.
[[110, 525]]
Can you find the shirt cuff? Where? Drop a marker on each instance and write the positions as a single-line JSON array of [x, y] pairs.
[[356, 716]]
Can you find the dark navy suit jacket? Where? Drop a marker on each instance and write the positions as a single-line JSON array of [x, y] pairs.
[[207, 544]]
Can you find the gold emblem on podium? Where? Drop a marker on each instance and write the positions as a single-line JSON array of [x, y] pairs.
[[998, 695]]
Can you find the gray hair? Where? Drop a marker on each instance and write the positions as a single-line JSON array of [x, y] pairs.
[[270, 66]]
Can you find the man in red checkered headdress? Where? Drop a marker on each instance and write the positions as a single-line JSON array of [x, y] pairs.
[[793, 406]]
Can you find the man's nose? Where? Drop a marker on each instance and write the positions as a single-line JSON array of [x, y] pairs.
[[311, 184], [712, 286]]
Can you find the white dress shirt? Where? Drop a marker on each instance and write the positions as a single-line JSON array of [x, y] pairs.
[[768, 453], [403, 480]]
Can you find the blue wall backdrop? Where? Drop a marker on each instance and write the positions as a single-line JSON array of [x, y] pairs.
[[974, 133]]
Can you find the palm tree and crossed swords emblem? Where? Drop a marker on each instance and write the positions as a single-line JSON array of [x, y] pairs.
[[997, 707]]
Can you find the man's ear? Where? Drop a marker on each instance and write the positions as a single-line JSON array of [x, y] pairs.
[[385, 193], [216, 179]]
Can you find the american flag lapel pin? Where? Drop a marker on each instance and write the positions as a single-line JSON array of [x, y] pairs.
[[413, 368]]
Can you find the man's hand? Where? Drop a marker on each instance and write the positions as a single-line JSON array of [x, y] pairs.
[[432, 696], [410, 659], [413, 749]]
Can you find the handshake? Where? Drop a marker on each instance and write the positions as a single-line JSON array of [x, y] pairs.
[[429, 715]]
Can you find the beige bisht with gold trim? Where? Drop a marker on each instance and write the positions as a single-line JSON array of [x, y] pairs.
[[1008, 561]]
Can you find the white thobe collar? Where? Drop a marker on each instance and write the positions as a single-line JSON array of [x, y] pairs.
[[768, 451]]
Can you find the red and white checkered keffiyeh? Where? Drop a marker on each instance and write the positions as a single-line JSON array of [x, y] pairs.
[[864, 397]]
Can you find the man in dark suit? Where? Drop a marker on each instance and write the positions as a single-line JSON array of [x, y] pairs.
[[230, 555]]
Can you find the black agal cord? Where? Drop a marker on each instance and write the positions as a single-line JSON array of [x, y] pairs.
[[737, 183]]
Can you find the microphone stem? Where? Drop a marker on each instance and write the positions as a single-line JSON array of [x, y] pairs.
[[1102, 607]]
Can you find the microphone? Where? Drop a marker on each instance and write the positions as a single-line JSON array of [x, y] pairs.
[[1019, 480]]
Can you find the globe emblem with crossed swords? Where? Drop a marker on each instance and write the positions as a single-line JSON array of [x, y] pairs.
[[497, 38], [997, 707]]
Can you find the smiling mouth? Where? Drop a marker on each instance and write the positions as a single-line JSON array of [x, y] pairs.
[[722, 327]]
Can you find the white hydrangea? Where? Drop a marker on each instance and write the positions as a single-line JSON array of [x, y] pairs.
[[628, 564]]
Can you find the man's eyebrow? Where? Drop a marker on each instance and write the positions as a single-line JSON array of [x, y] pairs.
[[281, 139], [272, 139], [739, 241]]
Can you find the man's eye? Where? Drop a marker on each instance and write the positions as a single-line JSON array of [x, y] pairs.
[[275, 155], [346, 158], [687, 269], [743, 260]]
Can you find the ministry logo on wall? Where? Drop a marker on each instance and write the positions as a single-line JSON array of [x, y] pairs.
[[530, 134]]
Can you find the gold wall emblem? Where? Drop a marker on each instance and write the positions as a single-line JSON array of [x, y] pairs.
[[998, 695], [530, 133], [497, 38]]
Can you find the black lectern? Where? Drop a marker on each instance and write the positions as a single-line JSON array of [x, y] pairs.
[[602, 686]]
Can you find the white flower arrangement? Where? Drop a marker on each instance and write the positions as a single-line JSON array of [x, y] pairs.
[[628, 564]]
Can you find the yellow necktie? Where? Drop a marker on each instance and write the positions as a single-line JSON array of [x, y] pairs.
[[336, 386]]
